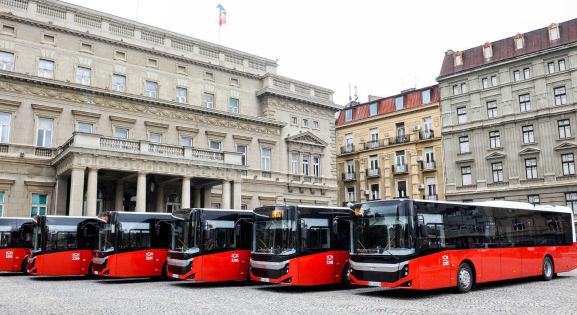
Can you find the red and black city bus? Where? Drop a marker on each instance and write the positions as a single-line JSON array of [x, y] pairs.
[[132, 244], [210, 245], [15, 243], [423, 245], [63, 245], [301, 245]]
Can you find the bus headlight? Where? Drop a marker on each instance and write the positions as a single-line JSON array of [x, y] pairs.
[[405, 271]]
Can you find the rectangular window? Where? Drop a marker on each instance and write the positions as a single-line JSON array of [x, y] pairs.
[[374, 162], [121, 133], [551, 67], [464, 144], [152, 63], [373, 109], [493, 80], [46, 68], [1, 203], [374, 192], [208, 100], [83, 75], [39, 205], [294, 121], [241, 148], [485, 82], [8, 29], [426, 96], [351, 194], [44, 132], [524, 103], [400, 161], [233, 105], [399, 103], [466, 177], [295, 163], [494, 139], [497, 169], [533, 199], [349, 139], [266, 154], [526, 73], [516, 75], [151, 89], [456, 89], [348, 115], [402, 189], [560, 95], [121, 55], [234, 82], [48, 38], [316, 124], [461, 115], [528, 134], [374, 134], [561, 64], [305, 164], [571, 200], [531, 168], [186, 141], [85, 127], [568, 164], [5, 123], [492, 109], [155, 137], [6, 61], [118, 83], [85, 47], [564, 126], [181, 95], [305, 123], [214, 145]]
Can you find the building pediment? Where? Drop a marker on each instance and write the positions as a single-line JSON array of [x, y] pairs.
[[495, 156], [307, 138], [529, 150], [565, 146]]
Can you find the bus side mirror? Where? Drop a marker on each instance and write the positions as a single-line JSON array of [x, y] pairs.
[[423, 230], [335, 226]]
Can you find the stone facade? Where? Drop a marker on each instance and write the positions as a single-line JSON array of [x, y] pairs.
[[390, 152], [509, 117], [101, 113]]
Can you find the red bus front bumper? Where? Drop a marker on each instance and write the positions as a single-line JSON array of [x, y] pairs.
[[217, 267]]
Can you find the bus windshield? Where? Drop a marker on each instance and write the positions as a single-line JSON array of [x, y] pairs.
[[276, 237], [135, 235], [384, 228], [184, 238], [62, 237], [106, 235]]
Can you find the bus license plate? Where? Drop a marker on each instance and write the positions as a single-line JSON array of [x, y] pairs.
[[175, 276], [374, 284], [264, 280]]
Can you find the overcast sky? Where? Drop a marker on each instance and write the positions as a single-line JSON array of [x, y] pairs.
[[380, 46]]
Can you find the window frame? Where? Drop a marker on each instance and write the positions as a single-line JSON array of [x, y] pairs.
[[497, 172], [233, 109], [528, 132], [464, 144], [466, 175], [492, 109], [44, 137], [565, 127], [568, 164], [494, 139], [80, 79], [531, 171], [560, 98], [462, 113], [147, 92], [179, 98], [42, 71], [266, 159], [524, 102], [6, 127]]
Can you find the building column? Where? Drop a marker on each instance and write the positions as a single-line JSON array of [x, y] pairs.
[[160, 205], [207, 196], [61, 195], [197, 197], [236, 194], [91, 192], [76, 191], [185, 195], [119, 196], [141, 193], [225, 195]]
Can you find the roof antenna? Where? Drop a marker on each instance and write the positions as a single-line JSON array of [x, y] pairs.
[[356, 95], [350, 96]]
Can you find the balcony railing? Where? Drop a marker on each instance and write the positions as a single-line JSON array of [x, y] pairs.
[[373, 172], [429, 166], [400, 169], [426, 134], [431, 197], [374, 144], [400, 139], [349, 176], [349, 148]]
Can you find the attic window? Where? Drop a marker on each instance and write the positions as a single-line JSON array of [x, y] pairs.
[[458, 57], [152, 63], [554, 32], [488, 50], [519, 41]]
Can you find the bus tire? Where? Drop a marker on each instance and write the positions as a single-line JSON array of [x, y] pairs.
[[548, 269], [24, 266], [346, 277], [465, 278]]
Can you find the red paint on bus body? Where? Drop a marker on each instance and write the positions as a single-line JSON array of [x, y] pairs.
[[439, 270], [65, 263], [133, 264], [315, 269], [218, 267], [12, 259]]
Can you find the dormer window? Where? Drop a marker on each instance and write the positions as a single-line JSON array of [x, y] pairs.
[[458, 57], [554, 32], [519, 41], [488, 50]]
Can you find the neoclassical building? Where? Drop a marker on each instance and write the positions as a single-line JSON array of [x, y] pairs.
[[102, 113]]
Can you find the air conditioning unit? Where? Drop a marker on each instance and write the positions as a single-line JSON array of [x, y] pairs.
[[417, 128], [421, 186], [420, 159]]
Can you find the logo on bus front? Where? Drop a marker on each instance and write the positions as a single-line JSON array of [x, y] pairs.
[[9, 254], [330, 259], [149, 255], [445, 260], [234, 258], [75, 256]]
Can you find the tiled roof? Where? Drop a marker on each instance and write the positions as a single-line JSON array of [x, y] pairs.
[[386, 105], [504, 49]]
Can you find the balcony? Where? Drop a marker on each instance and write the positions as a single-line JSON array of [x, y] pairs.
[[429, 166], [26, 151], [119, 145], [350, 176], [431, 197], [374, 144], [346, 149], [400, 169], [373, 172], [426, 135], [400, 139]]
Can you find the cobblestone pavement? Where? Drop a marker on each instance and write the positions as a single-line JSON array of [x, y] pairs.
[[21, 294]]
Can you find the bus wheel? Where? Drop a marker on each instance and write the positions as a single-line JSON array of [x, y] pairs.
[[465, 278], [548, 270], [346, 277], [24, 268]]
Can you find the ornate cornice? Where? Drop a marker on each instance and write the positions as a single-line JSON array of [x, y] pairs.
[[299, 98]]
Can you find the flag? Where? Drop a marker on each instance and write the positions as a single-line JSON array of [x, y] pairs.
[[221, 15]]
